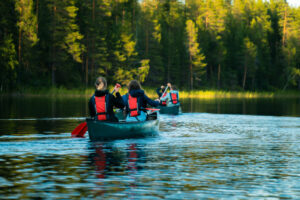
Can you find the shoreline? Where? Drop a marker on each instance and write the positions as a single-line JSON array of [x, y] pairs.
[[151, 92]]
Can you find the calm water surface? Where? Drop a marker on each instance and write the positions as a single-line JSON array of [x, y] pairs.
[[216, 149]]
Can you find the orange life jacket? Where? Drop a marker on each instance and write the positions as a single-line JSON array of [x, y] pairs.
[[174, 98], [133, 106], [100, 104]]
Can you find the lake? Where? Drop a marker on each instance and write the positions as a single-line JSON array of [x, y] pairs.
[[218, 148]]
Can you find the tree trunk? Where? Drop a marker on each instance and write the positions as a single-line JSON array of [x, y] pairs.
[[245, 76], [53, 49], [211, 73], [20, 40], [123, 16], [92, 49], [219, 75], [82, 68], [147, 41], [37, 15], [284, 26], [86, 69], [93, 10], [19, 48], [191, 73], [133, 18]]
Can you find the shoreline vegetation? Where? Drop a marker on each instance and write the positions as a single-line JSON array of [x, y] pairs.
[[151, 92]]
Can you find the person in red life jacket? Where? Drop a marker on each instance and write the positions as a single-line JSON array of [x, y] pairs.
[[101, 104], [135, 100], [172, 98], [161, 93]]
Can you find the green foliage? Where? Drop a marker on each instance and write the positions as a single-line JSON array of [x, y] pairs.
[[250, 44], [197, 63], [8, 62], [27, 21], [143, 71]]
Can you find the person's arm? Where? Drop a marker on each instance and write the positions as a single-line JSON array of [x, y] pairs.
[[151, 102], [118, 101], [158, 92], [92, 108]]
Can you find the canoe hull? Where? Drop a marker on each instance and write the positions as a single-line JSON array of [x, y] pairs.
[[119, 130], [172, 110]]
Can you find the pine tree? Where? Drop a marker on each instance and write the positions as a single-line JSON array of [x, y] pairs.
[[8, 63], [196, 58], [27, 37], [291, 47], [8, 54], [149, 39], [250, 52], [66, 39]]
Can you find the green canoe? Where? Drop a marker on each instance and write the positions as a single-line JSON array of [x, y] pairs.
[[171, 110], [101, 130]]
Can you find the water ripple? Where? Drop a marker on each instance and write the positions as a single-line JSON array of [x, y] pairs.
[[195, 156]]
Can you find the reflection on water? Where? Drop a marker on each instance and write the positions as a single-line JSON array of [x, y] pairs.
[[263, 106], [110, 161], [195, 156], [47, 107]]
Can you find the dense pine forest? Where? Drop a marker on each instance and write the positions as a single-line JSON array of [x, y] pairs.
[[195, 44]]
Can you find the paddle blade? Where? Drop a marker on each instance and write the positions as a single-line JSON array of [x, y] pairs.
[[152, 109], [80, 130]]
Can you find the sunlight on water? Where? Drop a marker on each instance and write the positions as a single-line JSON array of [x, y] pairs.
[[195, 155]]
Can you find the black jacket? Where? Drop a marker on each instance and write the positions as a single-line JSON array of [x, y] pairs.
[[159, 93], [112, 101], [143, 100]]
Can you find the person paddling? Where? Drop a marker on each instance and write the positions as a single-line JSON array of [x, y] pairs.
[[101, 104], [172, 98], [136, 101], [160, 90], [162, 93]]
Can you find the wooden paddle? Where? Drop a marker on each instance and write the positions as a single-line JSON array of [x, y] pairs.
[[81, 129]]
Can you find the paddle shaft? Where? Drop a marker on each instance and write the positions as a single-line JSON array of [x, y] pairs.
[[164, 92]]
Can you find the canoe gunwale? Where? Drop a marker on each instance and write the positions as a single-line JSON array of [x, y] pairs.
[[170, 110], [103, 130]]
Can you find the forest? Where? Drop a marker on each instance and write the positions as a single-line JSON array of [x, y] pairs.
[[251, 45]]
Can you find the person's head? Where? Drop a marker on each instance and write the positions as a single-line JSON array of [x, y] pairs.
[[100, 83], [173, 87], [134, 85]]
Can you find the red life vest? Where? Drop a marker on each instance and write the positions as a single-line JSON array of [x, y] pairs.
[[100, 105], [174, 98], [133, 106], [164, 103]]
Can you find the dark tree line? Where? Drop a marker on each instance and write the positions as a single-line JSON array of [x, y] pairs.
[[224, 44]]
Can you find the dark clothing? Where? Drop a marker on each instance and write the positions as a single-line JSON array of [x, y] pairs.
[[112, 101], [143, 100], [159, 92]]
